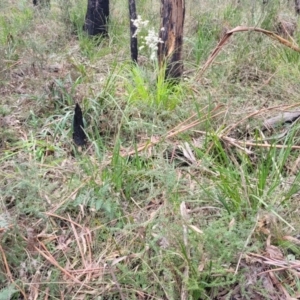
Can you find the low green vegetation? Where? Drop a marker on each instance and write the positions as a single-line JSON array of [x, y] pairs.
[[182, 191]]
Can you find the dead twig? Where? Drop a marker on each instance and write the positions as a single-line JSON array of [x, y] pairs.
[[185, 218], [117, 283], [266, 145], [243, 144], [228, 34], [174, 131], [78, 244], [245, 245], [9, 273], [259, 112], [62, 218], [48, 256]]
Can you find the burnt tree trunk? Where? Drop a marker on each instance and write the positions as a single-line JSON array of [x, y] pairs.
[[171, 37], [41, 3], [297, 7], [133, 37], [97, 17]]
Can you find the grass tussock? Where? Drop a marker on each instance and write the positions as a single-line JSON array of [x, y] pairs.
[[186, 191]]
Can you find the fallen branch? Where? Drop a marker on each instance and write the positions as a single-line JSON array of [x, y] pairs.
[[256, 113], [242, 144], [284, 117], [228, 34]]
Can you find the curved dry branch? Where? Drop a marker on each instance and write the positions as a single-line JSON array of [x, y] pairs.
[[228, 34]]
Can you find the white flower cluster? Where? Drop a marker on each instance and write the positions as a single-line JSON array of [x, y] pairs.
[[139, 24], [150, 40]]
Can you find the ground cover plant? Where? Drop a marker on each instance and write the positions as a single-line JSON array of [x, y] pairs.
[[183, 191]]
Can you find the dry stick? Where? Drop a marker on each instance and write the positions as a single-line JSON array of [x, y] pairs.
[[117, 283], [170, 134], [274, 262], [196, 123], [89, 241], [11, 66], [280, 287], [275, 280], [267, 145], [61, 203], [230, 127], [191, 125], [77, 241], [6, 264], [245, 245], [9, 273], [74, 230], [227, 139], [90, 270], [242, 144], [185, 217], [233, 142], [188, 119], [62, 218], [223, 41], [53, 261], [279, 269], [179, 126], [265, 83], [70, 196], [46, 294], [289, 267]]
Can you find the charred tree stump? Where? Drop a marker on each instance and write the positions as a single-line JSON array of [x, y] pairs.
[[41, 3], [133, 37], [97, 17], [79, 136], [171, 37], [297, 7]]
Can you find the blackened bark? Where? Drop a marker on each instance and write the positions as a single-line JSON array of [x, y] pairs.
[[171, 34], [42, 3], [79, 136], [133, 38], [297, 7], [97, 17]]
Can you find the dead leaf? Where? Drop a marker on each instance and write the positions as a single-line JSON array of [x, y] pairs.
[[187, 152], [196, 229], [118, 260], [183, 211], [231, 223]]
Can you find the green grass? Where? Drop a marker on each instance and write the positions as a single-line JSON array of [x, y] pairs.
[[112, 221]]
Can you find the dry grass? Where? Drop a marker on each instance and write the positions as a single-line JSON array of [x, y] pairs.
[[182, 192]]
